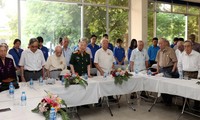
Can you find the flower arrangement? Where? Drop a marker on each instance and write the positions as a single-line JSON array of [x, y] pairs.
[[120, 76], [74, 79], [49, 101]]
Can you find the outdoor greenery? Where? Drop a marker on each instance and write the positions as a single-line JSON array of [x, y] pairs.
[[170, 25], [52, 20]]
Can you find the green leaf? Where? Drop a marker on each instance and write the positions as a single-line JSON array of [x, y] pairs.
[[64, 115]]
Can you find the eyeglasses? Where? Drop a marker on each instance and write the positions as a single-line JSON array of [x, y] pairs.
[[34, 46]]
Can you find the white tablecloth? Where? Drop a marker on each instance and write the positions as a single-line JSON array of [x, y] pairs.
[[76, 95], [107, 86]]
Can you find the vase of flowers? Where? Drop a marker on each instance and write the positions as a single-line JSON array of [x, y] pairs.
[[49, 101], [73, 79], [120, 76]]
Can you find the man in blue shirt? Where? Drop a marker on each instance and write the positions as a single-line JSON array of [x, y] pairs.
[[93, 47], [152, 51], [119, 53], [110, 46], [44, 49], [174, 42]]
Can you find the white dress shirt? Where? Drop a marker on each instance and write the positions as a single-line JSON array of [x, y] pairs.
[[189, 62], [67, 54], [178, 53], [32, 61], [139, 58], [105, 59], [54, 63]]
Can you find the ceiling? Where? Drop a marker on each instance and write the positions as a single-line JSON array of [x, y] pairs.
[[194, 1]]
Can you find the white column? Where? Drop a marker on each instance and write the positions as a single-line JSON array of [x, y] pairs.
[[19, 19], [138, 23]]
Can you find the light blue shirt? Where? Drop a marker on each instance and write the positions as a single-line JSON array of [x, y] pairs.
[[67, 54], [152, 52], [139, 58]]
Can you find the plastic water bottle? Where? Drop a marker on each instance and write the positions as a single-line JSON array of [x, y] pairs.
[[23, 99], [31, 83], [136, 71], [105, 74], [85, 76], [180, 74], [63, 80], [11, 90], [41, 81], [52, 115], [149, 73]]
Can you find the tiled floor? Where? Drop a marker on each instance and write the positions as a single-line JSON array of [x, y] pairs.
[[159, 112]]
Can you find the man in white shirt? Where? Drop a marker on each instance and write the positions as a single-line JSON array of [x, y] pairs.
[[55, 63], [104, 61], [189, 63], [180, 49], [104, 58], [139, 58], [66, 51], [32, 62]]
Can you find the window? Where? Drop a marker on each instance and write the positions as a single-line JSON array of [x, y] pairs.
[[8, 21], [94, 21], [118, 24], [51, 20]]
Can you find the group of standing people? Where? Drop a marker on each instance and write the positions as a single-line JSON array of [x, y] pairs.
[[34, 62]]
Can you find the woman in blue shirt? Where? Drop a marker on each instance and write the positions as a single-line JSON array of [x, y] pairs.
[[132, 46], [16, 51]]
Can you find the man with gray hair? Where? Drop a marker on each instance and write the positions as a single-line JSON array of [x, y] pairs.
[[139, 58], [104, 58], [166, 63], [32, 62], [87, 49], [66, 51], [55, 63], [180, 48]]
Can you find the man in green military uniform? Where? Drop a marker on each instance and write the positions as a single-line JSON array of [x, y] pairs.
[[80, 60]]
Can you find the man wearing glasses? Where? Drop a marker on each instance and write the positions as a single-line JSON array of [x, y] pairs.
[[32, 62]]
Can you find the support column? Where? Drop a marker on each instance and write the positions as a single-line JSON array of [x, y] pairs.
[[139, 18]]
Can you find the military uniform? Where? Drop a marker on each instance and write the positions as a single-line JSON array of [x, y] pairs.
[[80, 62]]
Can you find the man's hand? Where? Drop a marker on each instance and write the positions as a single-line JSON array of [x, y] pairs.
[[23, 79]]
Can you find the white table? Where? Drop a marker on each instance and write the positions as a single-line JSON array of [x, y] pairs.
[[76, 95]]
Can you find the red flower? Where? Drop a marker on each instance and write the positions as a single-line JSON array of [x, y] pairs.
[[67, 76]]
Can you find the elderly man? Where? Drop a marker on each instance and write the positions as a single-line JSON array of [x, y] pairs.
[[32, 62], [180, 49], [139, 58], [104, 61], [195, 45], [66, 51], [55, 63], [166, 64], [80, 60], [189, 63], [104, 58], [7, 69]]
